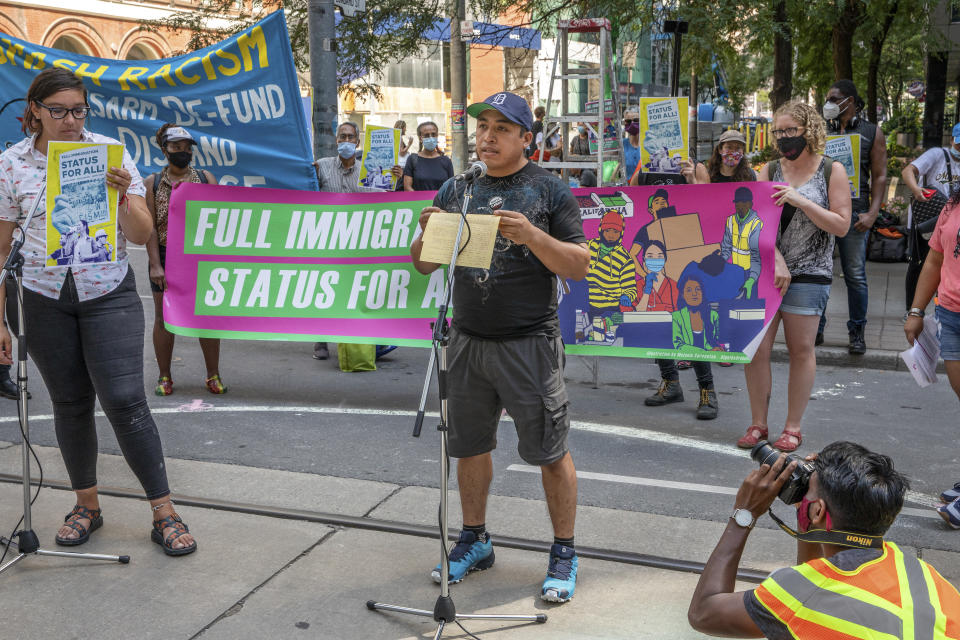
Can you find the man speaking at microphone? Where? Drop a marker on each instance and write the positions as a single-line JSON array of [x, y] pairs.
[[505, 350]]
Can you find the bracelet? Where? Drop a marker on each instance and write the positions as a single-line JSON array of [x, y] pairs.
[[915, 312], [161, 505]]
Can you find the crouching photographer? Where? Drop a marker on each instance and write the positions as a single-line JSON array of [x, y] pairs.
[[849, 582]]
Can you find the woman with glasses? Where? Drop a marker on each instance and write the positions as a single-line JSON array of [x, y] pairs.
[[941, 277], [85, 320], [816, 209], [631, 144]]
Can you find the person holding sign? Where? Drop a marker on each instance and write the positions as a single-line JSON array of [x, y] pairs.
[[85, 322], [843, 112], [177, 146], [816, 208], [505, 349]]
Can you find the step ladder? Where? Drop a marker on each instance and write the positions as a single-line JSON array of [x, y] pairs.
[[599, 111]]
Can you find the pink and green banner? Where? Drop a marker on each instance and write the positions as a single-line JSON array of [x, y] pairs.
[[680, 271], [273, 264]]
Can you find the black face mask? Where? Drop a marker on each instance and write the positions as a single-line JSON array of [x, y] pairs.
[[180, 159], [791, 148]]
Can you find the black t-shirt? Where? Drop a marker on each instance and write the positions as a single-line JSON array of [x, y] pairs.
[[428, 173], [517, 295], [723, 178]]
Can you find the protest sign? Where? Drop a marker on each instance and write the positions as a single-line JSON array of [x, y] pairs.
[[845, 149], [381, 152], [693, 269], [82, 225], [239, 98], [664, 139]]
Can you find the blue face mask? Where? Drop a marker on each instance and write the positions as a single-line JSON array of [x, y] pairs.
[[347, 150], [429, 144], [582, 130], [955, 153], [655, 265]]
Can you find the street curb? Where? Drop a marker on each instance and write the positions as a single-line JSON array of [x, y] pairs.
[[883, 359]]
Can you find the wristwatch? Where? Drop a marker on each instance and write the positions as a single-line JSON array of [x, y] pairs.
[[744, 518], [916, 312]]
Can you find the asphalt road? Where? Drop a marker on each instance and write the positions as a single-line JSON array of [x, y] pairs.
[[286, 411]]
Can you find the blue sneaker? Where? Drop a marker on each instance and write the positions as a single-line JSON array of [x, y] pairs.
[[951, 513], [951, 494], [469, 554], [561, 575]]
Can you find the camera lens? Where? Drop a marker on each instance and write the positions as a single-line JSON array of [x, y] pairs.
[[764, 453]]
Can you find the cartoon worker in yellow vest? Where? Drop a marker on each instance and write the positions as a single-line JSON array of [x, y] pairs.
[[741, 239]]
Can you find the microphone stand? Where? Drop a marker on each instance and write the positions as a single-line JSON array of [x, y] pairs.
[[444, 611], [27, 542]]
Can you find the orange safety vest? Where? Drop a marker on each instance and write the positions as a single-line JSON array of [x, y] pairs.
[[895, 597]]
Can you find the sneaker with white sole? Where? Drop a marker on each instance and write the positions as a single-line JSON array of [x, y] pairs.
[[469, 554], [951, 513], [561, 577], [951, 494]]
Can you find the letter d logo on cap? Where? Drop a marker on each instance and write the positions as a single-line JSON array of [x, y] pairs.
[[500, 98]]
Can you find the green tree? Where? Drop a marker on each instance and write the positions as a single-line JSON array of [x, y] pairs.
[[387, 32]]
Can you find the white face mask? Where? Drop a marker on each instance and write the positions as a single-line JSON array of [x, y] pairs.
[[831, 110]]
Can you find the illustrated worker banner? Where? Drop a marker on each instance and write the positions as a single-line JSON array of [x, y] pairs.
[[680, 271], [664, 136], [845, 149], [239, 98], [82, 225]]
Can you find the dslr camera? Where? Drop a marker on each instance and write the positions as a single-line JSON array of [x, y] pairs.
[[795, 488]]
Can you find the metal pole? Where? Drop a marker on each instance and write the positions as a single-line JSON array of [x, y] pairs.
[[458, 82], [323, 77]]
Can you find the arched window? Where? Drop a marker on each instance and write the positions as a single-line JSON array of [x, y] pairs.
[[71, 45], [141, 52]]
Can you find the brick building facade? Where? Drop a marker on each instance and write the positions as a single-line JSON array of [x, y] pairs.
[[100, 28]]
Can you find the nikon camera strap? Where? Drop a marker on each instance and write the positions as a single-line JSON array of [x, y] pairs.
[[839, 538]]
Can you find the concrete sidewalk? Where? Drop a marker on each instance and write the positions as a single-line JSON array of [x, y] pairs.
[[257, 576], [884, 333]]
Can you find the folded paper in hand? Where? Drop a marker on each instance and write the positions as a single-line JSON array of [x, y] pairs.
[[921, 359], [476, 244]]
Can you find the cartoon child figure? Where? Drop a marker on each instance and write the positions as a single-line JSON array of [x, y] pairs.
[[659, 293], [612, 279], [695, 324], [741, 239]]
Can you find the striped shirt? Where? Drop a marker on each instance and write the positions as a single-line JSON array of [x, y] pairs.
[[23, 174], [610, 276], [335, 178]]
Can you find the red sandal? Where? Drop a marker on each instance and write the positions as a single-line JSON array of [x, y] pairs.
[[754, 434], [786, 441]]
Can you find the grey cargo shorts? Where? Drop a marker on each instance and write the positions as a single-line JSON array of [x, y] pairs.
[[522, 375]]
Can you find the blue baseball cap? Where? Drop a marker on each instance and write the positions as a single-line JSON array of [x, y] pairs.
[[956, 133], [510, 105]]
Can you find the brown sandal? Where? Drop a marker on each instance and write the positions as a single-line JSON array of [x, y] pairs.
[[78, 513], [179, 528]]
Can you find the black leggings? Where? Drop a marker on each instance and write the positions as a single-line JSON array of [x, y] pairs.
[[668, 371], [919, 248], [89, 350]]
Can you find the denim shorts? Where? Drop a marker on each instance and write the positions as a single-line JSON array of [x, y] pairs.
[[949, 333], [806, 299]]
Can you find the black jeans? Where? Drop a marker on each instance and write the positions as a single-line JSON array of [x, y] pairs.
[[668, 371], [94, 350]]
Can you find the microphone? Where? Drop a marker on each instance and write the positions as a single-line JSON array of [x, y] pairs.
[[477, 170]]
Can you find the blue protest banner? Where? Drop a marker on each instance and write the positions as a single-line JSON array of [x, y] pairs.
[[239, 98]]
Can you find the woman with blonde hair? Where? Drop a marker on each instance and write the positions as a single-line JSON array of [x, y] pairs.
[[816, 210]]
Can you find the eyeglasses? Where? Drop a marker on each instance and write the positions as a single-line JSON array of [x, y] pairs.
[[789, 132], [629, 120], [59, 113]]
